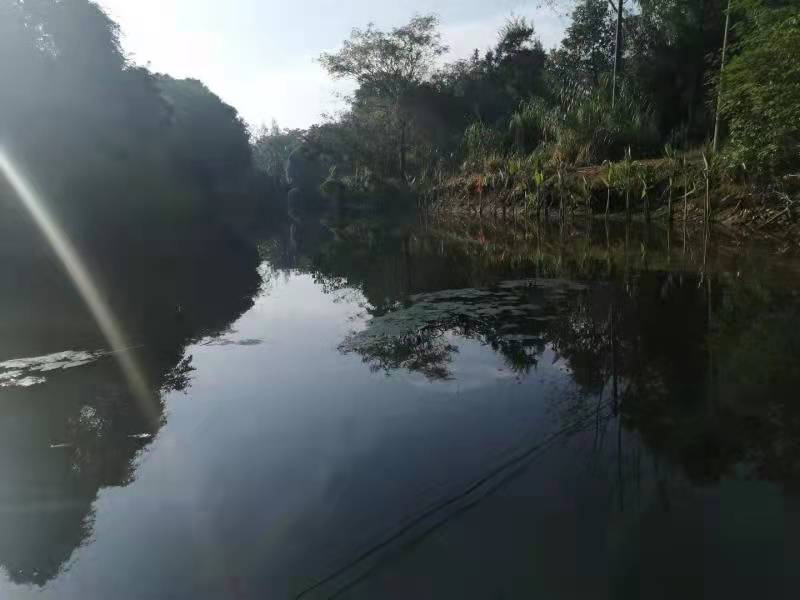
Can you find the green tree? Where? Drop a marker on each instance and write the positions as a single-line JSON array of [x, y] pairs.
[[271, 149], [761, 87], [115, 149], [389, 66], [491, 87], [671, 47], [587, 50], [209, 139]]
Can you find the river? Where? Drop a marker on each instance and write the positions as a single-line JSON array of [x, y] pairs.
[[364, 409]]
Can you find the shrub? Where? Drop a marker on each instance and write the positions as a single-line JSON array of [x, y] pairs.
[[761, 92], [480, 141], [588, 130], [532, 125]]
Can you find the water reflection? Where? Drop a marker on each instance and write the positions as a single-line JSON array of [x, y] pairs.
[[418, 335], [464, 410], [70, 425], [686, 367], [699, 337]]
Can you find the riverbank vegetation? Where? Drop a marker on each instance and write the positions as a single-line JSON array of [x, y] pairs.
[[664, 109], [641, 107], [118, 154]]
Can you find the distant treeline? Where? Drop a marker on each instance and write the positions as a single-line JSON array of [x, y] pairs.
[[625, 80], [119, 153]]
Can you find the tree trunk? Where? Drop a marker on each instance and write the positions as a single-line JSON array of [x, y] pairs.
[[403, 151], [721, 70], [617, 54]]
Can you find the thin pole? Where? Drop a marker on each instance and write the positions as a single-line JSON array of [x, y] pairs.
[[721, 70], [617, 53]]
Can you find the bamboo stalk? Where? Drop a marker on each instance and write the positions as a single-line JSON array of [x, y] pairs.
[[669, 203], [721, 71], [617, 53]]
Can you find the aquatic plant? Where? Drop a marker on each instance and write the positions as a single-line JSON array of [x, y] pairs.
[[671, 165], [607, 177], [707, 180], [586, 192], [538, 179], [560, 185], [626, 179], [643, 177]]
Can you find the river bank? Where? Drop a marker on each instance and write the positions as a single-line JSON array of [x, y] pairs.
[[683, 195]]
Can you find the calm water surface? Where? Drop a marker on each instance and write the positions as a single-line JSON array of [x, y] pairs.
[[440, 412]]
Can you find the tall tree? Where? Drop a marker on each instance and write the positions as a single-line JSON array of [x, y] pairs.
[[671, 47], [109, 144], [489, 88], [721, 71], [389, 65], [587, 50], [617, 50]]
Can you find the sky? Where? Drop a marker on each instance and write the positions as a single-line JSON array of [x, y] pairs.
[[260, 55]]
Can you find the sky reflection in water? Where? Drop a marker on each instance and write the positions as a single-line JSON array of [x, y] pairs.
[[416, 434]]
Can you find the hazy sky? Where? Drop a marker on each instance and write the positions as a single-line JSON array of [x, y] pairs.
[[259, 55]]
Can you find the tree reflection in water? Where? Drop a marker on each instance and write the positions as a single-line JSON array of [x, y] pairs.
[[78, 430], [683, 360], [700, 349]]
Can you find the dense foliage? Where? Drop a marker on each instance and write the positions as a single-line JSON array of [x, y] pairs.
[[761, 89], [114, 148], [584, 103], [389, 68]]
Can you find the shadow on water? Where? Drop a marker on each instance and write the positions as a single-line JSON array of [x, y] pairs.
[[70, 424], [689, 343]]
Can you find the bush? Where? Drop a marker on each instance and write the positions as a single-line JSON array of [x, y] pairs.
[[761, 92], [588, 130], [480, 141], [532, 125]]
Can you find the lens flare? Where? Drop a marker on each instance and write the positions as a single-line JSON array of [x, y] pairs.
[[79, 274]]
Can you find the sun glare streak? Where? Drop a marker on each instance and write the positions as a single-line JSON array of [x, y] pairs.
[[83, 282]]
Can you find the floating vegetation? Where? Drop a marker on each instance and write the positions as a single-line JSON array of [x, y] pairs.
[[420, 337], [227, 342], [25, 372]]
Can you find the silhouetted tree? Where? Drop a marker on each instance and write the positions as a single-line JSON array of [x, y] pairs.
[[388, 66]]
